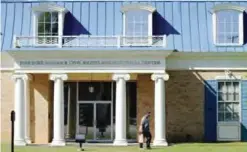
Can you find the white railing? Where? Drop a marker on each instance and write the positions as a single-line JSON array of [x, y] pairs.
[[89, 41]]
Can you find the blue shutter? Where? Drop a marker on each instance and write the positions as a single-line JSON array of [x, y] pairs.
[[210, 112], [244, 110]]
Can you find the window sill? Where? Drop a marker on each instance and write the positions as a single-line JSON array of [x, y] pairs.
[[228, 45]]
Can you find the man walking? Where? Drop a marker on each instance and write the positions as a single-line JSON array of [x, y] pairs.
[[146, 130]]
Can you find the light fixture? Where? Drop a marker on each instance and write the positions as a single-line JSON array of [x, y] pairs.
[[91, 88]]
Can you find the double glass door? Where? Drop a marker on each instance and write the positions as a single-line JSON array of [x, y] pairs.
[[94, 119]]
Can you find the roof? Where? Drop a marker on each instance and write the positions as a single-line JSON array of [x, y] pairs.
[[188, 24]]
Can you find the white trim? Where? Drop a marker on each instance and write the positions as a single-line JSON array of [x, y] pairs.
[[129, 7], [150, 28], [216, 69], [214, 27], [241, 28], [221, 7], [48, 7], [54, 76], [124, 24], [7, 69], [227, 77]]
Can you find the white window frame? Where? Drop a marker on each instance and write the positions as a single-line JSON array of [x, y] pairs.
[[225, 7], [228, 77], [148, 8], [49, 8]]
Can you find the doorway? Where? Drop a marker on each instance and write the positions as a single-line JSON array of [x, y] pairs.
[[94, 119], [89, 108], [95, 110]]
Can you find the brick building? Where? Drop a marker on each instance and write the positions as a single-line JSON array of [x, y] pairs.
[[96, 67]]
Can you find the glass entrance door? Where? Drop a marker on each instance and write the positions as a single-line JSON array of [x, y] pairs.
[[104, 121], [94, 119], [85, 120]]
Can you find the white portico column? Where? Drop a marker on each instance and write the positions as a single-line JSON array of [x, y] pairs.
[[159, 108], [58, 119], [120, 118], [27, 80], [19, 137]]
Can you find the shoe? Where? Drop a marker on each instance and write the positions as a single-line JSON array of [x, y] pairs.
[[149, 148]]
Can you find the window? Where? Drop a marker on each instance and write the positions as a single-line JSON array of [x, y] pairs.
[[48, 27], [137, 21], [48, 22], [228, 24], [228, 101]]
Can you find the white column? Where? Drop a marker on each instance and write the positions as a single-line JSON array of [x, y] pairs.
[[120, 118], [58, 119], [27, 79], [19, 137], [159, 108]]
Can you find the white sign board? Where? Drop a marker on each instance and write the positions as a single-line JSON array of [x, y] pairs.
[[92, 63]]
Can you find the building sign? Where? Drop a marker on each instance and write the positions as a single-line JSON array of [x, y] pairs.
[[91, 63]]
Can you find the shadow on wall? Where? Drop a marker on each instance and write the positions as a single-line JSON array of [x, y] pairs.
[[162, 27], [73, 27], [245, 27]]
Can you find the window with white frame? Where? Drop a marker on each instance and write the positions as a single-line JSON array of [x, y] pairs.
[[228, 24], [48, 20], [228, 101], [48, 27], [137, 27]]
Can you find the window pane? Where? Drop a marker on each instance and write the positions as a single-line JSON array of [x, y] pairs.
[[220, 116], [236, 87], [221, 27], [54, 28], [101, 91], [236, 107], [220, 97], [236, 97], [48, 28], [230, 97], [235, 116], [47, 17], [54, 17], [220, 86], [137, 23], [235, 27], [229, 87], [228, 116], [235, 39], [41, 28], [41, 17], [221, 38], [227, 25], [221, 107], [228, 107]]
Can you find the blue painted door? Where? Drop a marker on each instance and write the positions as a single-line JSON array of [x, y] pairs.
[[210, 117]]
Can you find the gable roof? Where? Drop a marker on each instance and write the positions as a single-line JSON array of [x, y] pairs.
[[188, 24]]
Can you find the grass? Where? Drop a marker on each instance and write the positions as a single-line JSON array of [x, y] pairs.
[[196, 147]]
